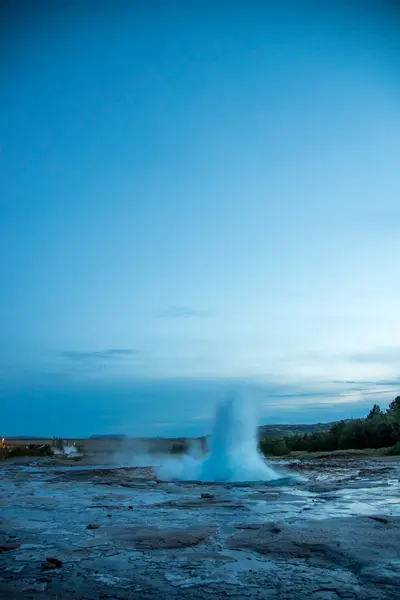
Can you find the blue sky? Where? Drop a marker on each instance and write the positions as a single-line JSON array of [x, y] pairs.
[[192, 198]]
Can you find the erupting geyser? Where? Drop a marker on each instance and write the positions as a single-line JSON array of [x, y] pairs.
[[234, 456]]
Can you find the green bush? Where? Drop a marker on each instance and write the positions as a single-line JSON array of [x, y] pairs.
[[274, 446], [394, 450]]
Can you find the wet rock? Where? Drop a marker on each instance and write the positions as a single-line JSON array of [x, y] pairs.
[[199, 558], [55, 561], [93, 526], [348, 542], [363, 566], [153, 538], [271, 527], [324, 488], [374, 471], [381, 575], [108, 506], [249, 525], [111, 476], [35, 587], [276, 497], [329, 496], [198, 503], [324, 595], [9, 547]]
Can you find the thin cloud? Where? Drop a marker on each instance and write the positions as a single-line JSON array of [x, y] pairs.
[[311, 396], [395, 382], [107, 354], [182, 312], [389, 354]]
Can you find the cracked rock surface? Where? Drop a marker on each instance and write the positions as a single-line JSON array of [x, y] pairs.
[[333, 535]]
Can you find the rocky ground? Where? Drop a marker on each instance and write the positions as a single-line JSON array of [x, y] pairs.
[[69, 531]]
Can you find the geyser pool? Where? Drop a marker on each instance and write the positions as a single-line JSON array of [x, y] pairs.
[[234, 456]]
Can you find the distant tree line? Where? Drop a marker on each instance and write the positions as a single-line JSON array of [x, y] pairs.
[[380, 429], [30, 450]]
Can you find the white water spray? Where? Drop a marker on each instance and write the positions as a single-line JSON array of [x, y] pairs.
[[234, 455], [67, 451]]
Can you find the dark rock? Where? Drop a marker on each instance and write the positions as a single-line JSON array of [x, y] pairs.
[[48, 566], [55, 561], [9, 547], [379, 519], [93, 526]]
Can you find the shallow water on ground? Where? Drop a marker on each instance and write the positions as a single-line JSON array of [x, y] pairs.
[[333, 532]]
